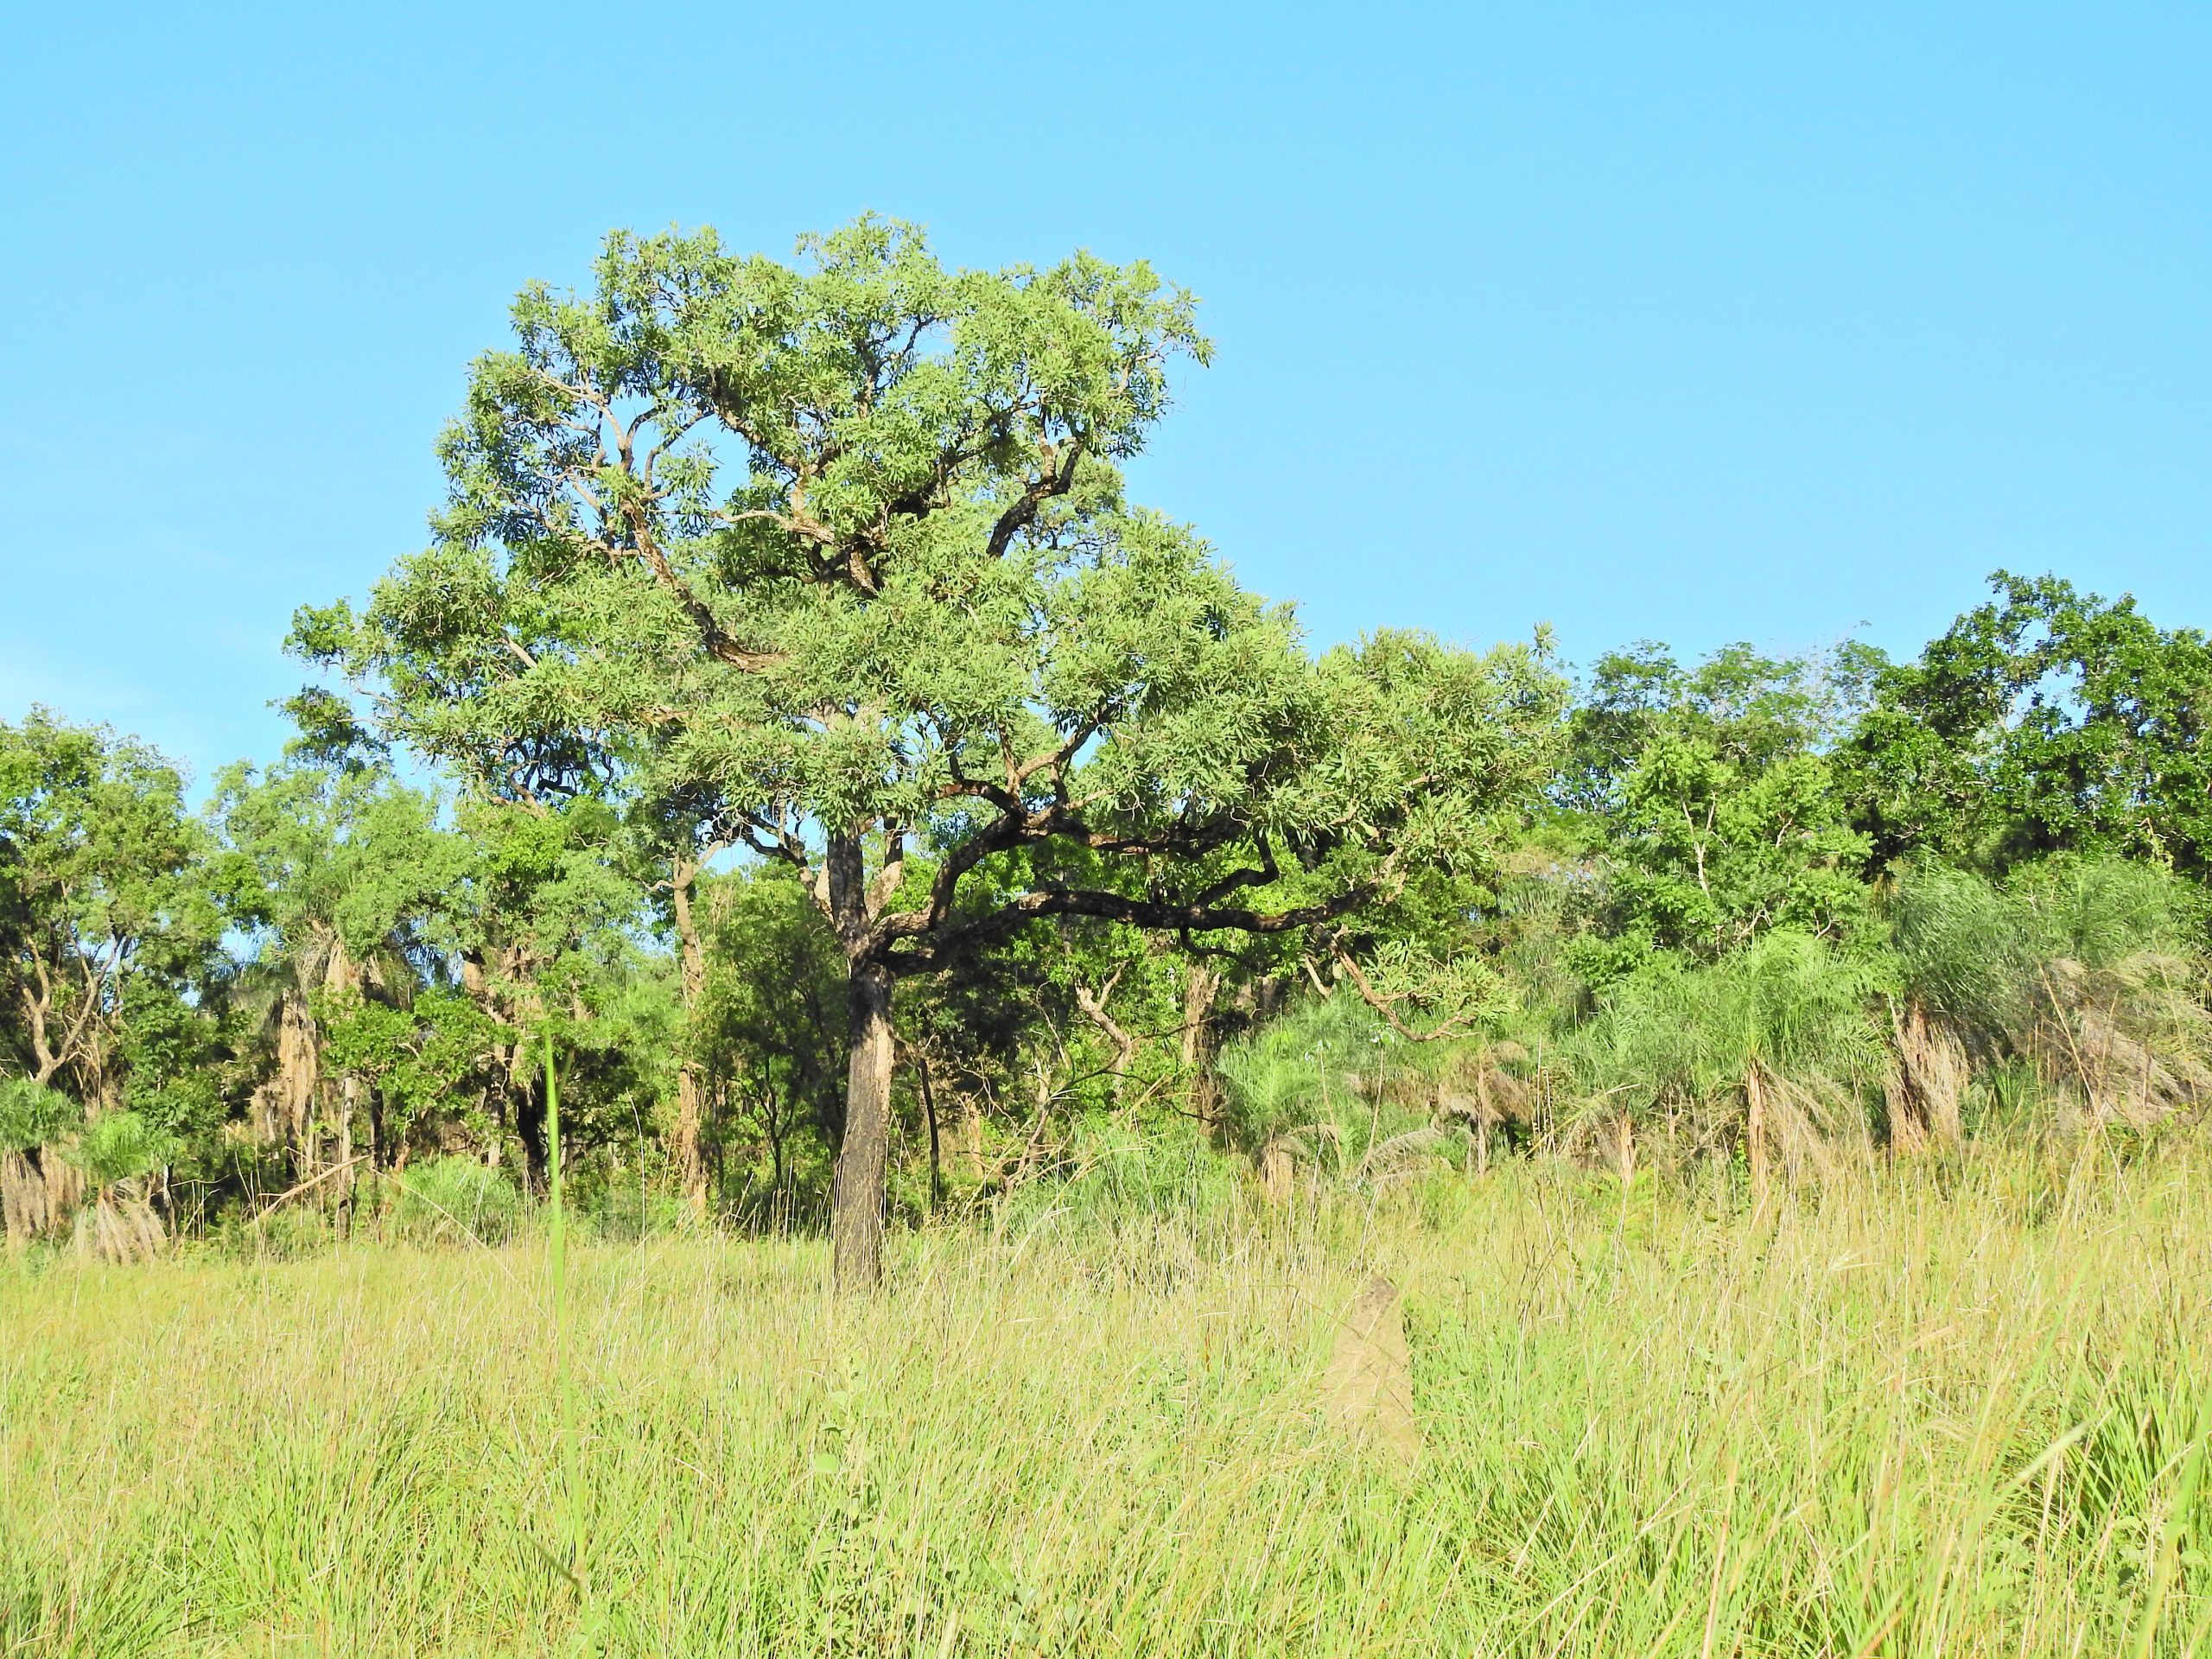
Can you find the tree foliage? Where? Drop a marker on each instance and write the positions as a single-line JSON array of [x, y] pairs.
[[2046, 720], [1710, 798], [104, 923]]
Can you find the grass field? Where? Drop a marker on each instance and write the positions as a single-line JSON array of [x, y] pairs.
[[1927, 1413]]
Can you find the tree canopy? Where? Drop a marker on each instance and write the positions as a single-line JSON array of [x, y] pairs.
[[840, 552], [2046, 720]]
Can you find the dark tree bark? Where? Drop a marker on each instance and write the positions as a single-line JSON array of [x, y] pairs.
[[881, 943], [929, 1107], [690, 1076], [527, 1099], [856, 1201]]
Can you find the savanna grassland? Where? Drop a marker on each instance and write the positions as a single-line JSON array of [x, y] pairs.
[[1090, 1121], [1956, 1407]]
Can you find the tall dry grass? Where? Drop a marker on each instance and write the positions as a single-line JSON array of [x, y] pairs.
[[1940, 1411]]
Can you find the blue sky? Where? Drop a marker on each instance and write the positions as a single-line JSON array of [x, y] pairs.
[[1686, 323]]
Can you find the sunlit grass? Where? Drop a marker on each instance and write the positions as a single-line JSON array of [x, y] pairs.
[[1904, 1416]]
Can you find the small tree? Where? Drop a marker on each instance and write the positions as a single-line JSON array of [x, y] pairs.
[[104, 905], [540, 922], [34, 1120], [1709, 795], [117, 1154], [412, 1061], [842, 544], [335, 875], [770, 1035], [2047, 720]]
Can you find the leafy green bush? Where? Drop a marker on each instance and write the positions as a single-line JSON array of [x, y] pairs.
[[455, 1201], [32, 1115], [621, 1216], [288, 1233]]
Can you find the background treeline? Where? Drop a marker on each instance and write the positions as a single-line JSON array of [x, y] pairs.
[[1771, 914]]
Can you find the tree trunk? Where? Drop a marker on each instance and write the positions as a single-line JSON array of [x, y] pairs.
[[771, 1122], [1200, 990], [1033, 1147], [349, 1100], [929, 1106], [856, 1196], [690, 1080], [529, 1103], [509, 998], [1125, 1045], [288, 1117], [971, 1133]]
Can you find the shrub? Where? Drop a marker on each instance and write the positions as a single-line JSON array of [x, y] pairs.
[[33, 1116], [455, 1201], [121, 1147]]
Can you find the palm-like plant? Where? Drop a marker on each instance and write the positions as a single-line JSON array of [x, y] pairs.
[[116, 1153], [1792, 1019], [1641, 1055], [1775, 1042], [32, 1117], [2081, 968], [1330, 1083]]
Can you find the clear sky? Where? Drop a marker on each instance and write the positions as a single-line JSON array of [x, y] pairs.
[[1658, 320]]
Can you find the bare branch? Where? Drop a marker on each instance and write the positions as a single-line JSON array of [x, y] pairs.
[[1457, 1026], [779, 842], [1162, 915]]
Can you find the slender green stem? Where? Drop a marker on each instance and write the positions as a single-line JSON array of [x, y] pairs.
[[563, 1377], [2165, 1562]]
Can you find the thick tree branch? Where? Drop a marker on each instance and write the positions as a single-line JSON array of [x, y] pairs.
[[887, 878], [1056, 480], [779, 842], [718, 642], [947, 943]]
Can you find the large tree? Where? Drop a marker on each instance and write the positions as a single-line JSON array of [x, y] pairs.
[[842, 546]]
